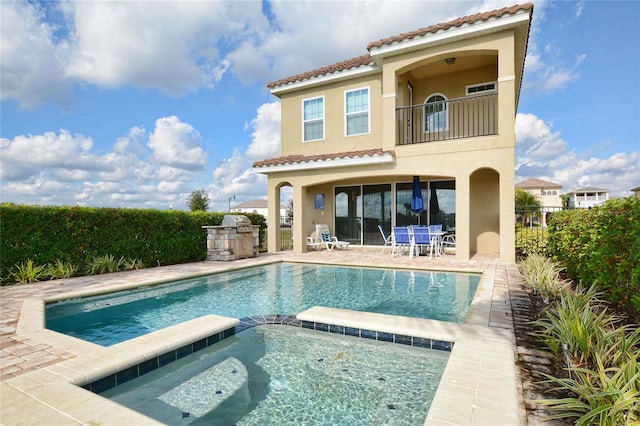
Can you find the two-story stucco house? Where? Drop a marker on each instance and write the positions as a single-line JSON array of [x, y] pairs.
[[585, 198], [548, 193], [438, 103]]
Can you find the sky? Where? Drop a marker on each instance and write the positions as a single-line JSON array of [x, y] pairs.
[[139, 103]]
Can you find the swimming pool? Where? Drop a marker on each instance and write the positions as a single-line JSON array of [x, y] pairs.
[[290, 376], [280, 288]]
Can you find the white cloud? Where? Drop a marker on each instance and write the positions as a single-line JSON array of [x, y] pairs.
[[542, 153], [32, 72], [25, 155], [265, 141], [141, 170], [177, 144], [170, 45]]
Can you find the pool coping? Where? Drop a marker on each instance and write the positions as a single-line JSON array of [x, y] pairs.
[[479, 384]]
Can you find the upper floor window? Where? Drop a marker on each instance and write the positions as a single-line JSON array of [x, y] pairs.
[[436, 113], [482, 88], [357, 111], [313, 119]]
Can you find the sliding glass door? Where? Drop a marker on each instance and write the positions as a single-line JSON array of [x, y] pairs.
[[377, 211], [348, 213], [359, 209]]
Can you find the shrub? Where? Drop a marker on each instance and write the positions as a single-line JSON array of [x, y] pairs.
[[601, 246], [27, 272], [542, 274], [78, 234]]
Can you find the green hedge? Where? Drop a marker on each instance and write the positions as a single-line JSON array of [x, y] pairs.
[[601, 246], [78, 234]]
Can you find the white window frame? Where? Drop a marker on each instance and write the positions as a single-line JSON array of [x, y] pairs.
[[304, 122], [446, 113], [368, 111], [481, 90]]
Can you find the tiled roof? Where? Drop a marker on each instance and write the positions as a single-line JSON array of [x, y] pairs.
[[340, 66], [297, 159], [365, 60], [588, 189], [465, 20], [537, 183], [253, 204]]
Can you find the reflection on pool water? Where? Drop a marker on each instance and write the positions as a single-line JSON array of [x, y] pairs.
[[283, 375], [282, 288]]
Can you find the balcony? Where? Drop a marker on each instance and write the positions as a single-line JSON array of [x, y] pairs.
[[459, 118]]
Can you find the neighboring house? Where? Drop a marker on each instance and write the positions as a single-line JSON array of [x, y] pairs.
[[548, 193], [636, 191], [257, 206], [585, 198], [438, 103]]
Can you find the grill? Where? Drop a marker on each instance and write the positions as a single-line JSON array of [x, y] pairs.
[[236, 238], [240, 221]]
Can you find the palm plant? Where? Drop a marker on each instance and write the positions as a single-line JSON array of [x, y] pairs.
[[526, 203]]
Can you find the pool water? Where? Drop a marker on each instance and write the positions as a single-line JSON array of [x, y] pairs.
[[281, 288], [283, 375]]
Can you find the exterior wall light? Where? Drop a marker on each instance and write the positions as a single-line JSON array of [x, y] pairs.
[[450, 61]]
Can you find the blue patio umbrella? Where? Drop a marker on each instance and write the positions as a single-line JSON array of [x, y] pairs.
[[434, 206], [417, 203]]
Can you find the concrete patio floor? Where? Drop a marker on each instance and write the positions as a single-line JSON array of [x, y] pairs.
[[39, 368]]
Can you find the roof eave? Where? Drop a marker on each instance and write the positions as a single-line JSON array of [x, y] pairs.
[[385, 158], [449, 35], [325, 78]]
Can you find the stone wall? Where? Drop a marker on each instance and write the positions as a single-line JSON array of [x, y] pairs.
[[232, 242]]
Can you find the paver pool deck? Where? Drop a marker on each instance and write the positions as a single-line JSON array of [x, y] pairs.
[[40, 370]]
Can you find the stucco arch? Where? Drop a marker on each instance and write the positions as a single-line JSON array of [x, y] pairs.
[[484, 211], [274, 242], [437, 58]]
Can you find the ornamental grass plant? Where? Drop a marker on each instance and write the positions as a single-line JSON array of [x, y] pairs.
[[601, 358], [60, 269], [543, 275], [27, 272]]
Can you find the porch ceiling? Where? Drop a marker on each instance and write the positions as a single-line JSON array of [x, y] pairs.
[[464, 62]]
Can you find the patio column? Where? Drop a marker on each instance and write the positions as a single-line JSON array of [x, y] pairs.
[[300, 208], [463, 215], [273, 223]]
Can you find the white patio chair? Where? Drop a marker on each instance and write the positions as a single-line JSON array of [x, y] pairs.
[[313, 242], [325, 237], [386, 238]]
